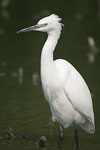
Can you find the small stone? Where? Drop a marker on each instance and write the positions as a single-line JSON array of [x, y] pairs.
[[42, 141]]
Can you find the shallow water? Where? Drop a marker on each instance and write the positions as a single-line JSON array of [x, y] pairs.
[[22, 104]]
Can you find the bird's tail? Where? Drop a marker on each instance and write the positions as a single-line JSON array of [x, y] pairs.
[[88, 126]]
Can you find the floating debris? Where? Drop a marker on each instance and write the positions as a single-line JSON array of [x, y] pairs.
[[10, 132], [10, 135]]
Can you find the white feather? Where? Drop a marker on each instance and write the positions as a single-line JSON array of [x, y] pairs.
[[64, 88], [77, 94]]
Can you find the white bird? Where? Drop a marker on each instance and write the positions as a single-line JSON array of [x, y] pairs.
[[64, 88]]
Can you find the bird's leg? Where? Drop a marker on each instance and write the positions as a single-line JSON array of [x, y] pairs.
[[76, 139], [61, 136]]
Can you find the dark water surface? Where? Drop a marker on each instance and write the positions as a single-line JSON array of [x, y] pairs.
[[22, 104]]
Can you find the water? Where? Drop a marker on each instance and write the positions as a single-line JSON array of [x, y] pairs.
[[22, 104]]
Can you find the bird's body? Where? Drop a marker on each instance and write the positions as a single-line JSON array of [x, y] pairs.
[[64, 88], [67, 107]]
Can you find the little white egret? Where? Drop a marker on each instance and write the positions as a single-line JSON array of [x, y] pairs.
[[64, 88]]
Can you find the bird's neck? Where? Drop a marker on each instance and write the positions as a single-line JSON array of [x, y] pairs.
[[48, 48], [47, 65]]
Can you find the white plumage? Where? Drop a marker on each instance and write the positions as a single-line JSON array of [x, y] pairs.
[[64, 88]]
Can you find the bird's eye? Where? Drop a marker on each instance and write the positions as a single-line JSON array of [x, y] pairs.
[[45, 24]]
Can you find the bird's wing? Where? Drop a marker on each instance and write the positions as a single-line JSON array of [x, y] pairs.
[[76, 89]]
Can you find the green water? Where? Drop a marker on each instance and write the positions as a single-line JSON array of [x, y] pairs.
[[22, 104]]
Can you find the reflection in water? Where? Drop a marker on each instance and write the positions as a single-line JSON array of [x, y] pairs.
[[50, 126], [92, 51], [59, 147], [20, 75], [35, 79]]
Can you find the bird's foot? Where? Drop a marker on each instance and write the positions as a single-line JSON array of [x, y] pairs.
[[60, 140], [77, 147], [60, 145]]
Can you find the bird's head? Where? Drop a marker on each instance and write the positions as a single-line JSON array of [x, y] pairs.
[[48, 24]]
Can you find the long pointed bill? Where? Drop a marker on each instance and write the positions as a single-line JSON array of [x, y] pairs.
[[37, 26]]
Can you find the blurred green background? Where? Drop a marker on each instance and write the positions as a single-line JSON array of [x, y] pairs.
[[22, 104]]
